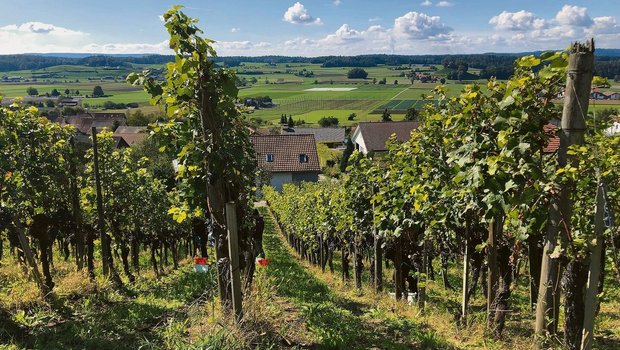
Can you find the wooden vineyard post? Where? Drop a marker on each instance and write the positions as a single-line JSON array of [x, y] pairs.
[[464, 298], [30, 258], [233, 252], [378, 267], [425, 273], [493, 277], [573, 127], [378, 264], [103, 236], [591, 299], [75, 203], [398, 267]]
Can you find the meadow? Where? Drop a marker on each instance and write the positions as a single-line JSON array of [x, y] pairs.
[[308, 92]]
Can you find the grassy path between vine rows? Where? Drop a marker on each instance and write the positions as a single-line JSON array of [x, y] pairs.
[[333, 319]]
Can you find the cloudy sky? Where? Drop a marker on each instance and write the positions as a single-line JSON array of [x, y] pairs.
[[311, 27]]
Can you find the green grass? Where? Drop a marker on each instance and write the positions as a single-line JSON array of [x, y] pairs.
[[334, 318]]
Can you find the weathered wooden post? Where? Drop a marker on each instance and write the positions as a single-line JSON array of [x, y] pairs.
[[30, 258], [465, 287], [102, 234], [398, 267], [233, 252], [576, 100], [75, 204], [378, 252], [493, 275], [591, 300]]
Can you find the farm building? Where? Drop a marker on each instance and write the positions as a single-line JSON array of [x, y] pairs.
[[372, 136], [287, 158], [131, 135], [332, 137], [614, 96], [85, 121], [597, 95], [69, 102]]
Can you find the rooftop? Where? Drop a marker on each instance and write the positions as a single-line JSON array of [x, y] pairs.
[[285, 153], [376, 134]]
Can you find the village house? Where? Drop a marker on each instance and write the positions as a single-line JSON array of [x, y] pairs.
[[130, 135], [372, 136], [597, 95], [331, 137], [86, 121], [286, 159]]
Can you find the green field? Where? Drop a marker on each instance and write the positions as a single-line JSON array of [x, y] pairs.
[[281, 82]]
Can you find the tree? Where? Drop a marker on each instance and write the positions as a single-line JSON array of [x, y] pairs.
[[328, 121], [386, 116], [98, 91], [344, 161], [32, 91], [395, 82], [291, 122], [357, 73], [352, 116], [383, 81], [67, 92], [442, 80], [412, 114], [49, 103], [55, 93], [600, 82], [77, 92]]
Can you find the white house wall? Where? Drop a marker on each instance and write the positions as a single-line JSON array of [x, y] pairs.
[[358, 141], [279, 179]]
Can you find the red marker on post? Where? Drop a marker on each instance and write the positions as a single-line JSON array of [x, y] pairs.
[[200, 265]]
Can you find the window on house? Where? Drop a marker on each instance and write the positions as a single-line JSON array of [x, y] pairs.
[[269, 157], [303, 158]]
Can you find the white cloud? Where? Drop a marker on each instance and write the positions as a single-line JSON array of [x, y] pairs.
[[416, 25], [604, 25], [374, 19], [337, 2], [235, 30], [517, 21], [574, 16], [445, 4], [157, 48], [569, 24], [427, 3], [41, 28], [298, 14], [343, 35]]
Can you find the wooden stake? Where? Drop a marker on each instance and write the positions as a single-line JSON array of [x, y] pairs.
[[233, 252], [465, 283], [100, 211], [576, 99], [591, 300], [493, 275], [30, 258]]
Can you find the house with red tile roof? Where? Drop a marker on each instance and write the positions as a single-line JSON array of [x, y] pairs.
[[287, 158]]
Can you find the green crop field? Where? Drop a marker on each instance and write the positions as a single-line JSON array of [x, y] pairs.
[[291, 92]]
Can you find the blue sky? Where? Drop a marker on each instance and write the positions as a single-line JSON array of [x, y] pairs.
[[311, 27]]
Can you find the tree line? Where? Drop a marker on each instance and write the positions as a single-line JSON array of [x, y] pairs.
[[491, 65]]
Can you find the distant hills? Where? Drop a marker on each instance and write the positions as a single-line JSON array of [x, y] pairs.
[[598, 52], [84, 55], [499, 65]]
